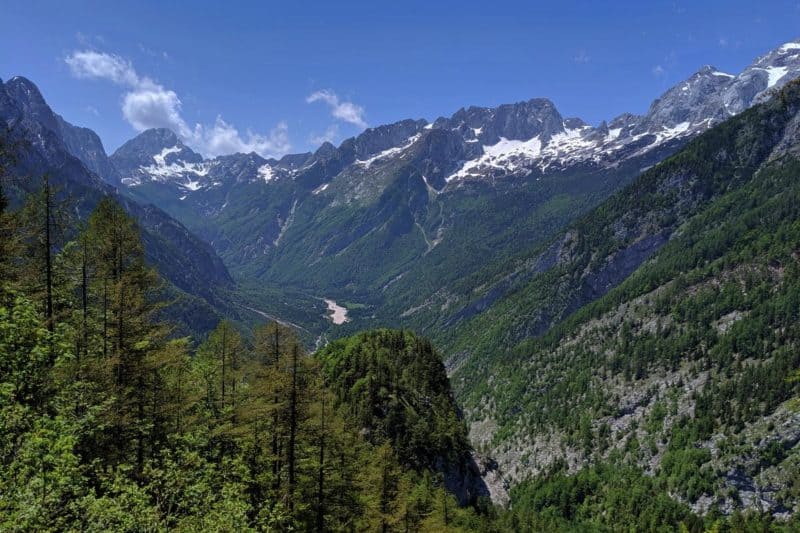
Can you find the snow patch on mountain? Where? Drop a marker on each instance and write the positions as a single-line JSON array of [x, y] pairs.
[[510, 157], [183, 173], [266, 173], [775, 74], [385, 154], [160, 159], [505, 156], [675, 131], [175, 170], [191, 185]]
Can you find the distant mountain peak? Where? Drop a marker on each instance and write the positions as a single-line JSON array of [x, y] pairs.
[[24, 90], [474, 143], [156, 152], [164, 135]]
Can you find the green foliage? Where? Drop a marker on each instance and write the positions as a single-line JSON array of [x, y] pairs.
[[610, 498], [693, 337], [107, 423], [394, 386], [601, 497]]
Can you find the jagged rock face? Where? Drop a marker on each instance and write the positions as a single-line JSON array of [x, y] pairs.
[[768, 74], [153, 149], [512, 140], [30, 100], [85, 144], [712, 95], [375, 140], [82, 143], [73, 156], [691, 102], [521, 121], [293, 161], [624, 123], [237, 168], [437, 154]]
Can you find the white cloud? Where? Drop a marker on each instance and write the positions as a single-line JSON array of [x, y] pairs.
[[346, 111], [223, 138], [658, 71], [331, 134], [89, 64], [153, 106], [147, 104]]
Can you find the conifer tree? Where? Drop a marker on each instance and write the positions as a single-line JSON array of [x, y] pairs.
[[126, 288]]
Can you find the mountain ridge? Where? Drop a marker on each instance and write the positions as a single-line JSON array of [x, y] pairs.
[[52, 145], [688, 208], [527, 119]]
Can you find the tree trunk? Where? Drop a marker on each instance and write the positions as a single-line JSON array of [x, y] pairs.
[[224, 341], [105, 317], [48, 260], [275, 419], [321, 474], [292, 428], [84, 298]]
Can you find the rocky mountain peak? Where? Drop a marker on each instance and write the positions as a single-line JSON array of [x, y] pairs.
[[158, 146], [32, 103], [22, 101], [153, 141], [325, 151], [24, 91], [785, 54], [519, 121], [293, 161], [374, 140], [766, 75], [155, 153], [690, 102]]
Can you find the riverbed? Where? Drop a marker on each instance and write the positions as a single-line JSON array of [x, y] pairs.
[[338, 314]]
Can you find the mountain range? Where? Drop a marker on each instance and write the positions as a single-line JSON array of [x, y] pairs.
[[424, 224], [596, 290], [72, 157]]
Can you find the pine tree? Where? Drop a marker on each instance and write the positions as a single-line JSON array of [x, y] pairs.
[[219, 364], [127, 289]]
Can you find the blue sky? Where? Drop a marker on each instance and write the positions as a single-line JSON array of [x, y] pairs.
[[282, 76]]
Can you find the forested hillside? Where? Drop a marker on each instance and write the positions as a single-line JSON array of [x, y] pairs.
[[47, 148], [681, 371], [109, 422]]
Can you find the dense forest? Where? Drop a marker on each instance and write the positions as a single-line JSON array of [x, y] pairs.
[[111, 421]]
